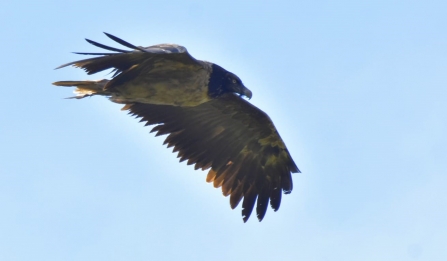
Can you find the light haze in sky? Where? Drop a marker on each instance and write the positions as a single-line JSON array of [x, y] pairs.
[[357, 90]]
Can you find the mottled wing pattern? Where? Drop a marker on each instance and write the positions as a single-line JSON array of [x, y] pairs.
[[239, 142]]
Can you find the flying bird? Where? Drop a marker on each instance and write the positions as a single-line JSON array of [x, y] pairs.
[[202, 109]]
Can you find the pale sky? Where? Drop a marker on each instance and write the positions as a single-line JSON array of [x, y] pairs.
[[356, 89]]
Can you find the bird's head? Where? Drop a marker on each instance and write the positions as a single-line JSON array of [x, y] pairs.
[[222, 81], [232, 83]]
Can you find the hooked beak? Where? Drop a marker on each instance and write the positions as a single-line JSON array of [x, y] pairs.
[[246, 92]]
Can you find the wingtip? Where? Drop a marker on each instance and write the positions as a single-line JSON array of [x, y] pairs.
[[124, 43], [111, 36]]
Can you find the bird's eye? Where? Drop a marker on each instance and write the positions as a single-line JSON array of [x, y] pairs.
[[234, 81]]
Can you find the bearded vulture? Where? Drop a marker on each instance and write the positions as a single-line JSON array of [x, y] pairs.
[[200, 106]]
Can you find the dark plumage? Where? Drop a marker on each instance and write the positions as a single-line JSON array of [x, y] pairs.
[[198, 105]]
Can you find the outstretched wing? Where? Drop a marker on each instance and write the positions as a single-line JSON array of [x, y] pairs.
[[239, 142], [121, 60]]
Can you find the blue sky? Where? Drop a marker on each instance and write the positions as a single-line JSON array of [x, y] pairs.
[[356, 89]]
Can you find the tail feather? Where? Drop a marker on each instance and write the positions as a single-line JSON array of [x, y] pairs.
[[85, 88]]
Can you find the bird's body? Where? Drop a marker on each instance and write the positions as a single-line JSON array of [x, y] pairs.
[[166, 85], [195, 102]]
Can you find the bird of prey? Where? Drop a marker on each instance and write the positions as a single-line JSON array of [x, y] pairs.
[[200, 106]]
